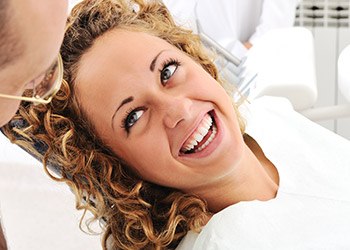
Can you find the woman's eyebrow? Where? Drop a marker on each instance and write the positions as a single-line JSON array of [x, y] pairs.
[[125, 101], [154, 61]]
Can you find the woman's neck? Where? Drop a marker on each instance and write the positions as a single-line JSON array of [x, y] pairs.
[[256, 178]]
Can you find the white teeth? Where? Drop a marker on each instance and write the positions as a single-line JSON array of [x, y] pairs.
[[191, 145], [199, 137], [208, 121], [210, 139], [199, 134], [207, 126], [203, 130], [194, 142]]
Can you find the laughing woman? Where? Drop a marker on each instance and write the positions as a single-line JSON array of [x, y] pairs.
[[150, 142]]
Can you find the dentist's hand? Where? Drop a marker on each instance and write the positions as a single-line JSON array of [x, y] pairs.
[[248, 45]]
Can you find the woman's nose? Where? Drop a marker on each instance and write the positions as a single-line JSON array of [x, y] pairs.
[[176, 111]]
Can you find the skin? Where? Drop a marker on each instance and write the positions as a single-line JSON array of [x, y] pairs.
[[117, 67], [248, 45], [38, 27]]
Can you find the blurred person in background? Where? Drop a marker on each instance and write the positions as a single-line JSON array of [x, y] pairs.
[[235, 25]]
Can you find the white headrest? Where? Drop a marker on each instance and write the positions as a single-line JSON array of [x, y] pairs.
[[285, 62], [344, 72]]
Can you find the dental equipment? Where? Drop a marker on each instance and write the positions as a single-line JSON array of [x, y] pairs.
[[230, 67]]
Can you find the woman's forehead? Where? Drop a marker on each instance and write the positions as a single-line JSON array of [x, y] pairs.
[[120, 50], [118, 57], [130, 39]]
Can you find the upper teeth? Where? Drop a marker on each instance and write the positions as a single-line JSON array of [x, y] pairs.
[[197, 136]]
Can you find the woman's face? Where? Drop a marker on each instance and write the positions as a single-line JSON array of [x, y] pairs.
[[159, 110]]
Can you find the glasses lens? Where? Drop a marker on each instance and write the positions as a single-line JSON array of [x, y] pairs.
[[43, 88], [46, 85]]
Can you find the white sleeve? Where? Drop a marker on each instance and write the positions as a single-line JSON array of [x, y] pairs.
[[275, 14]]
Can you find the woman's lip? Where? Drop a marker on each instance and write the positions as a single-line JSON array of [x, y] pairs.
[[213, 144]]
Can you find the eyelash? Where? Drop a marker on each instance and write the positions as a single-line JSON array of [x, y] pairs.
[[133, 110]]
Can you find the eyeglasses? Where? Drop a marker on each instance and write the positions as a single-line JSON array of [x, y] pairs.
[[45, 87]]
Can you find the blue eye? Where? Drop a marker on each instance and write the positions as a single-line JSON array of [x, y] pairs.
[[168, 70], [167, 73], [131, 118]]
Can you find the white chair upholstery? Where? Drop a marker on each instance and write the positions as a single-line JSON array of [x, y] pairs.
[[344, 72], [285, 63]]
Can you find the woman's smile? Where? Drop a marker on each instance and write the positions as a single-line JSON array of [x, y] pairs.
[[204, 139]]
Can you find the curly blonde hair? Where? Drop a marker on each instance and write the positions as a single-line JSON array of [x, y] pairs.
[[136, 214]]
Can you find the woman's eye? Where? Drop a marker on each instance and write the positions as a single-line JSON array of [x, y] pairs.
[[132, 118], [167, 72]]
